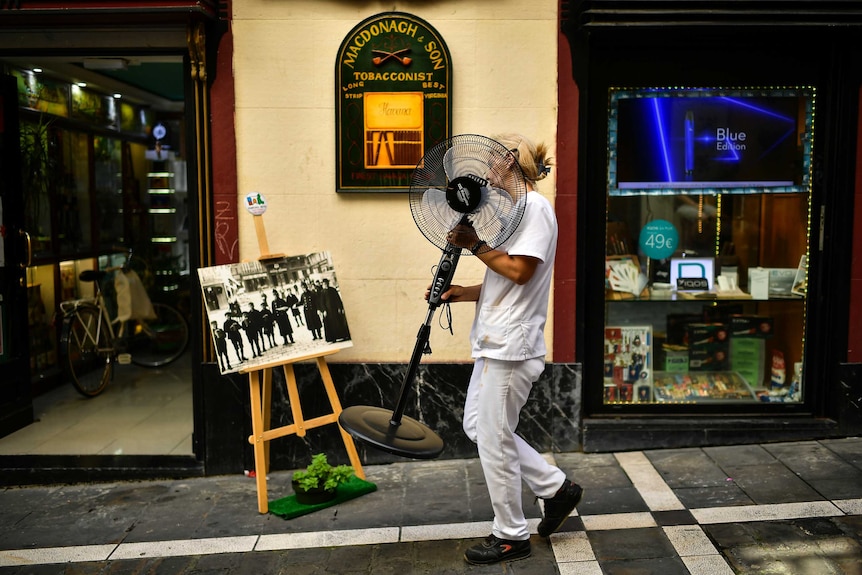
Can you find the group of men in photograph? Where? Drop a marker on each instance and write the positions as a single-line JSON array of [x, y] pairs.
[[316, 305]]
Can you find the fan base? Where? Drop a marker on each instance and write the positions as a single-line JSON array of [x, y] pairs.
[[373, 425]]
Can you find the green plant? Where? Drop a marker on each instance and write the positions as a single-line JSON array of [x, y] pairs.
[[321, 474], [41, 173]]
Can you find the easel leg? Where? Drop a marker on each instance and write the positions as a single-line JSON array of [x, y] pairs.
[[293, 396], [260, 391], [336, 409], [266, 405], [257, 428]]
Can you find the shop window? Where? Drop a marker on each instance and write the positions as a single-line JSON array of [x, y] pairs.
[[708, 210], [39, 159], [108, 169], [85, 176], [74, 221]]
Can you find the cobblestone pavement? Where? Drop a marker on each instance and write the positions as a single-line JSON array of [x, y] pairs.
[[789, 508]]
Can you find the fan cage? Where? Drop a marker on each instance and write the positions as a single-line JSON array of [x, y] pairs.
[[473, 156]]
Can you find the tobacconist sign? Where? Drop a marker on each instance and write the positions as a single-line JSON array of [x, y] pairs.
[[393, 101]]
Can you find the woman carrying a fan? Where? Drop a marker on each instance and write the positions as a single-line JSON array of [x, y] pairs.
[[508, 346]]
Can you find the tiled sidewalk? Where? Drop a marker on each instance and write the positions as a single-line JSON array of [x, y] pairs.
[[775, 508]]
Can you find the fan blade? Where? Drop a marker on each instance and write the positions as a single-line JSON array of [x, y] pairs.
[[434, 202], [497, 216], [462, 161]]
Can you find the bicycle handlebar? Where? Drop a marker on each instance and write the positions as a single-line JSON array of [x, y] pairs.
[[99, 275]]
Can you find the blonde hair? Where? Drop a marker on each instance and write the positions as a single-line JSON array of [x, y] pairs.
[[531, 157]]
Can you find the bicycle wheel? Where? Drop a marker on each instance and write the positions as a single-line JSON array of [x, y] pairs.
[[158, 341], [88, 352]]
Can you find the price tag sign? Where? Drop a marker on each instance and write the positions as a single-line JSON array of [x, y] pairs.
[[658, 239]]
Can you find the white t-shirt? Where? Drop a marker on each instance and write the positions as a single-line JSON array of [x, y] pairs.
[[510, 318]]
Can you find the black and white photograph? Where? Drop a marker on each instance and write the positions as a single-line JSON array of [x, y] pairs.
[[260, 312]]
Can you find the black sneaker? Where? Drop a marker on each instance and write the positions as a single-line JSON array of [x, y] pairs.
[[493, 550], [559, 507]]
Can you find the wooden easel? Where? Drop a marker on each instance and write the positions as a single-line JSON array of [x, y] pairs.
[[260, 390]]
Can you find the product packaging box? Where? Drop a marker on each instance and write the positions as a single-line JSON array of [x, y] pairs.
[[677, 327], [764, 283], [751, 326], [675, 358], [708, 347], [643, 392], [748, 359]]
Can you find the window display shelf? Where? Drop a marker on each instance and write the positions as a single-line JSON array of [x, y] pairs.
[[648, 297]]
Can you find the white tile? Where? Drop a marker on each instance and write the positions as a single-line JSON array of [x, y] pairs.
[[327, 539], [617, 521], [773, 512], [580, 568], [181, 547], [850, 506], [572, 546], [690, 540], [707, 565], [445, 531], [649, 483], [17, 557]]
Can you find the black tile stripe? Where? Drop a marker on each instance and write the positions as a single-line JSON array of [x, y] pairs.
[[674, 517]]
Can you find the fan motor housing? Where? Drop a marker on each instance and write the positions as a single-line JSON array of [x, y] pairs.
[[464, 193]]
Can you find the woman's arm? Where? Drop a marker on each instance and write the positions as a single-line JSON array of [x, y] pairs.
[[519, 269], [457, 293]]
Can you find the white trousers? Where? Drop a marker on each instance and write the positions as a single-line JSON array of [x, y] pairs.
[[497, 392]]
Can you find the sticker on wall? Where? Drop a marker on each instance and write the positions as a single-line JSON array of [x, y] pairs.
[[255, 203]]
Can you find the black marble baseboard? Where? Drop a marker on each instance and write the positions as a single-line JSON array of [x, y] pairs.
[[630, 434], [550, 420]]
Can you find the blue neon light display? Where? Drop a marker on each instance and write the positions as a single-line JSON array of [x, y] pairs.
[[710, 140]]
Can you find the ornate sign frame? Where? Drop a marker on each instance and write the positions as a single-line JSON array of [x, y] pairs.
[[393, 84]]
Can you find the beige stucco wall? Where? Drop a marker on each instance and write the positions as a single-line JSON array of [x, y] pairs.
[[504, 59]]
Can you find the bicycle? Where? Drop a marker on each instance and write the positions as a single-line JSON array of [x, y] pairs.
[[90, 345]]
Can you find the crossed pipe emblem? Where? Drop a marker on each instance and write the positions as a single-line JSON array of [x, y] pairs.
[[382, 56]]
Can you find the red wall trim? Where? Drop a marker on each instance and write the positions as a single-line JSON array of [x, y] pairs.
[[566, 165], [222, 100]]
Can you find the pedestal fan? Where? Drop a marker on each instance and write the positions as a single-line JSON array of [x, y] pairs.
[[467, 181]]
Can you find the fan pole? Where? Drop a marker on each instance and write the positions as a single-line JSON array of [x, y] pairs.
[[421, 343], [441, 282]]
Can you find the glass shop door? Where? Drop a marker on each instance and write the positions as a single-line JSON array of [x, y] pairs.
[[16, 404]]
